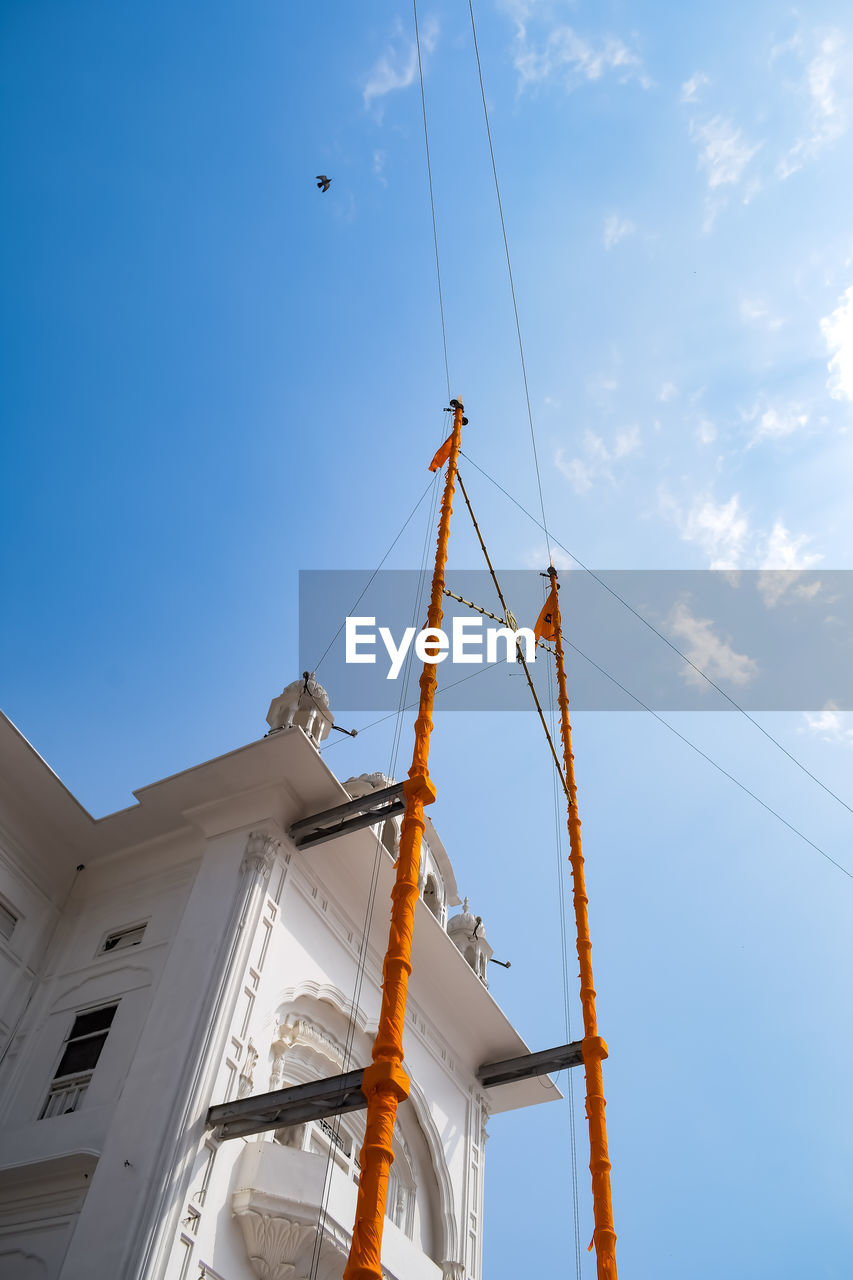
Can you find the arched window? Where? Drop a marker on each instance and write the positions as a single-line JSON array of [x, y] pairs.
[[432, 896], [309, 1044], [400, 1201]]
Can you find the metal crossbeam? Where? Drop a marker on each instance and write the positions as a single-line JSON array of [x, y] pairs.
[[531, 1064], [336, 1095], [312, 1101], [365, 811]]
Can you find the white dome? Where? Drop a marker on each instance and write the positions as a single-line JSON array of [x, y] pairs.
[[303, 703]]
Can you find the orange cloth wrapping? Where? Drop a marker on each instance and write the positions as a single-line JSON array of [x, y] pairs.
[[545, 629], [385, 1082], [442, 455]]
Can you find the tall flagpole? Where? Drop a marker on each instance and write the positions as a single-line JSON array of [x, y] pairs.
[[594, 1048], [385, 1083]]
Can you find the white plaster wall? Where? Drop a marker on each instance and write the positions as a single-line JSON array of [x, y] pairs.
[[313, 952], [21, 954], [191, 997]]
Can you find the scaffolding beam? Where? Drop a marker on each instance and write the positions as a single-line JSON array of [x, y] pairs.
[[365, 811], [336, 1095]]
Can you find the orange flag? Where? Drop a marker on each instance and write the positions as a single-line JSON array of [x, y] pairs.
[[545, 629], [442, 455]]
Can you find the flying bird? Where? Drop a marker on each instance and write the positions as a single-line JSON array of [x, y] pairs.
[[323, 182]]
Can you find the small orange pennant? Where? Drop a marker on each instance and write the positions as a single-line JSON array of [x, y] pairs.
[[545, 628], [591, 1243], [442, 455]]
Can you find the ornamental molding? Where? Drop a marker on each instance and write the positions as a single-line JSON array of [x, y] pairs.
[[247, 1084], [447, 1221], [323, 993], [453, 1270], [296, 1031], [274, 1243], [261, 853]]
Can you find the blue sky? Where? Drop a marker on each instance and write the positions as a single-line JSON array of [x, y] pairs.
[[214, 376]]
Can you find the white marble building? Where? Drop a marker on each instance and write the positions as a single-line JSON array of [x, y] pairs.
[[181, 953]]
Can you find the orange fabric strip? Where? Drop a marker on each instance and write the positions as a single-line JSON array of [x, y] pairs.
[[544, 629], [442, 455]]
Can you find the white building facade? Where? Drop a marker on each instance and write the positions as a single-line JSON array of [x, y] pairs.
[[183, 953]]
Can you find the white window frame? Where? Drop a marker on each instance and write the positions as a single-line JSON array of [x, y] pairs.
[[126, 931], [72, 1086]]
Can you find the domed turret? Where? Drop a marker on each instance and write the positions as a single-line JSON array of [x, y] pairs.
[[469, 936], [304, 703], [365, 783]]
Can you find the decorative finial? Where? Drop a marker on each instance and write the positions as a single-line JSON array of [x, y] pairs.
[[464, 904]]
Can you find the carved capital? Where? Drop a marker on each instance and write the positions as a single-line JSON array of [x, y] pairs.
[[273, 1243], [453, 1271], [260, 854]]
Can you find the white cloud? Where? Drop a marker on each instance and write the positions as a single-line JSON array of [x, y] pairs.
[[690, 88], [626, 442], [713, 655], [537, 556], [826, 113], [781, 551], [397, 66], [783, 562], [830, 724], [775, 422], [379, 158], [565, 55], [667, 392], [822, 73], [596, 464], [724, 533], [601, 387], [579, 474], [837, 330], [720, 529], [616, 229], [723, 151], [706, 432], [756, 311]]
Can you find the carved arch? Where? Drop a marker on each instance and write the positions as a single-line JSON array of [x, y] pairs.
[[325, 992], [447, 1224], [447, 1232]]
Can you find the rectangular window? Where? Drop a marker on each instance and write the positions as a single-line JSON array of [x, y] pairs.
[[124, 938], [8, 920], [185, 1253], [80, 1056], [208, 1155]]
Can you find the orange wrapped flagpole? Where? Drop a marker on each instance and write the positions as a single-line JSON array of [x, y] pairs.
[[385, 1083], [594, 1048]]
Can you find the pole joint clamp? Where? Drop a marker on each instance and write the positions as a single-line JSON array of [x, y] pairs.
[[420, 787]]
